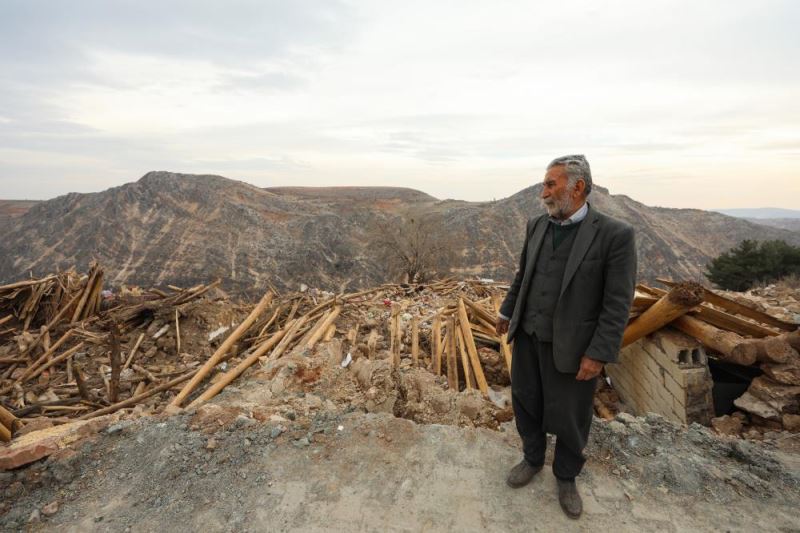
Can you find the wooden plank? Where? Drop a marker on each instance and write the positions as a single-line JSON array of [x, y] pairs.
[[222, 350], [469, 380], [415, 340], [436, 344], [452, 372], [470, 345], [735, 307], [505, 349]]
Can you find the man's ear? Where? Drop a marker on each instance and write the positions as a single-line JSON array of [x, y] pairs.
[[580, 187]]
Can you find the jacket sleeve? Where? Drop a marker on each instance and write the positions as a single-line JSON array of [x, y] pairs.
[[619, 284], [510, 301]]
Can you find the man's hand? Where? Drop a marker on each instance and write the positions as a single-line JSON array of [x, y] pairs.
[[590, 368], [501, 326]]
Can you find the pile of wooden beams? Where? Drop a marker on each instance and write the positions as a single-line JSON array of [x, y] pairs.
[[734, 333]]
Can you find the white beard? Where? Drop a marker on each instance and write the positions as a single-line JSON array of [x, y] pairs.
[[558, 207]]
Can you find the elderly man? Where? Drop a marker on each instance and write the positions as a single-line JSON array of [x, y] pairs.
[[565, 311]]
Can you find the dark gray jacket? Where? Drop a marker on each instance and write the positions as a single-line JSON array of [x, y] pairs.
[[596, 291]]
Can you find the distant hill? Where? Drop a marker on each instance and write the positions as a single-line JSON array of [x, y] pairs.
[[761, 212], [185, 229], [791, 224]]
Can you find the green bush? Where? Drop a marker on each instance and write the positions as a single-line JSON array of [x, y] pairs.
[[752, 262]]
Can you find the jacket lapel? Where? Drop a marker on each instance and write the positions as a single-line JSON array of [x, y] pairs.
[[583, 240], [535, 244]]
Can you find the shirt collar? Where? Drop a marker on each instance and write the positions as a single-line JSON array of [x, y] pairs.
[[576, 217]]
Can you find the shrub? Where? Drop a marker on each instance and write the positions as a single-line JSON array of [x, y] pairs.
[[752, 262]]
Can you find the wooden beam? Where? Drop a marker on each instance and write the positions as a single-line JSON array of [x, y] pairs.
[[730, 346], [735, 307], [680, 299], [470, 345], [415, 340], [222, 350], [452, 372], [436, 344]]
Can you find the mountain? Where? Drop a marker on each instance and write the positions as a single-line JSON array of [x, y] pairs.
[[791, 224], [186, 229], [761, 212]]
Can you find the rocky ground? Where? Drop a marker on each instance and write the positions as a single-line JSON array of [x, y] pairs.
[[307, 445]]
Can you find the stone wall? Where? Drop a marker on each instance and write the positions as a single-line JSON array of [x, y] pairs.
[[665, 373]]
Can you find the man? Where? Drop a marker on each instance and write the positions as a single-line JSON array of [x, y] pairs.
[[565, 311]]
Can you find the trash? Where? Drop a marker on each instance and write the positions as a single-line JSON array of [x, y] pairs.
[[217, 332], [347, 360]]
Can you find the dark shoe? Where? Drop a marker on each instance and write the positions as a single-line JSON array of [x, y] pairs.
[[521, 474], [569, 498]]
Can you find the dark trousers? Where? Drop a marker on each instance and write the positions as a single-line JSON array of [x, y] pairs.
[[548, 401]]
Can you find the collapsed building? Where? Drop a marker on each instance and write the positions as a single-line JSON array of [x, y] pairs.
[[70, 354]]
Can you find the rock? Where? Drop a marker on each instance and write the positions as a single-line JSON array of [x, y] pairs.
[[791, 422], [313, 401], [50, 509], [211, 444], [626, 418], [44, 442], [35, 516], [171, 410], [727, 425], [751, 404], [302, 442], [276, 432], [469, 405], [617, 427]]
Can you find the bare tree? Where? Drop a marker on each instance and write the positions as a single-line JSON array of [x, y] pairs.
[[415, 249]]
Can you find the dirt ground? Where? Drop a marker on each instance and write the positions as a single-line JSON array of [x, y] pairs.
[[233, 467]]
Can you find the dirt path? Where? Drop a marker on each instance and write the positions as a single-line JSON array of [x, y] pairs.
[[347, 472]]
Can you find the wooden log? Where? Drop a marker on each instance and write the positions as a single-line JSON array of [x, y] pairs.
[[396, 334], [312, 331], [85, 295], [505, 349], [177, 333], [5, 434], [222, 350], [730, 346], [452, 372], [436, 344], [116, 364], [133, 400], [470, 345], [372, 343], [237, 371], [677, 302], [21, 284], [133, 352], [415, 340], [53, 362], [330, 333], [8, 420], [773, 350], [725, 321], [288, 337], [323, 328], [83, 389], [469, 381], [735, 307]]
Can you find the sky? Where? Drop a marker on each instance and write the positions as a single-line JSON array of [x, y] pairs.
[[675, 103]]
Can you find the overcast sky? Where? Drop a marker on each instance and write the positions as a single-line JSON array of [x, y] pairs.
[[675, 103]]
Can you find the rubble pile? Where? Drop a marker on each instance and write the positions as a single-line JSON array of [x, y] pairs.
[[423, 352], [738, 332]]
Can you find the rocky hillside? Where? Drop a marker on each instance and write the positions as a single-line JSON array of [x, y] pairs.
[[186, 229]]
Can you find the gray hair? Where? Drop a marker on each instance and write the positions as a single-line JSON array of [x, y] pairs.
[[577, 168]]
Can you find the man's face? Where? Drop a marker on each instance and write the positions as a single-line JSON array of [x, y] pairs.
[[557, 196]]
